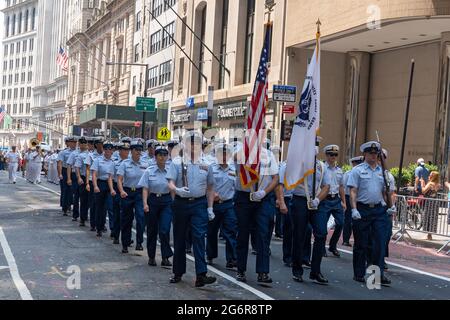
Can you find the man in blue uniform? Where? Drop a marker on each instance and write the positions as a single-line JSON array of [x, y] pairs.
[[95, 151], [66, 191]]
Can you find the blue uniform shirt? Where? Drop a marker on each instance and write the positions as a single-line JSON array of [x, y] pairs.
[[89, 160], [320, 182], [72, 158], [154, 179], [132, 172], [117, 164], [287, 193], [79, 162], [422, 173], [345, 180], [199, 176], [334, 178], [104, 167], [151, 161], [225, 179], [369, 182], [63, 156]]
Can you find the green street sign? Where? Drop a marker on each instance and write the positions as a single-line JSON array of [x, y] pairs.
[[145, 104]]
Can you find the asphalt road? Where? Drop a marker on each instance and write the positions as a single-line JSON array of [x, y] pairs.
[[41, 249]]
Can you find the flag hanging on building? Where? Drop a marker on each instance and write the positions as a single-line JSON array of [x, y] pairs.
[[7, 122], [302, 147], [62, 59], [256, 116]]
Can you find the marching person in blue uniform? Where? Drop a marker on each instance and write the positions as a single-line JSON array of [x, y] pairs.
[[157, 200], [96, 151], [225, 217], [334, 204], [255, 208], [149, 155], [124, 152], [66, 191], [347, 230], [192, 180], [79, 181], [370, 218], [128, 175], [102, 173], [306, 214], [72, 180]]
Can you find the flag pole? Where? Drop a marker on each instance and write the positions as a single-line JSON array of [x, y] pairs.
[[317, 142]]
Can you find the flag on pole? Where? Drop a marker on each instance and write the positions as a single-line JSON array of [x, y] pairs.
[[62, 59], [256, 116], [302, 147]]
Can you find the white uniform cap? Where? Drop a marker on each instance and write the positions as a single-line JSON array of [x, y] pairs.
[[332, 148], [421, 161], [370, 145]]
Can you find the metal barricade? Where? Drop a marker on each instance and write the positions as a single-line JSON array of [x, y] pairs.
[[425, 215]]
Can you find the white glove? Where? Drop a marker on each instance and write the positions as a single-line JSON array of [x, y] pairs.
[[315, 202], [355, 214], [391, 210], [211, 214], [259, 195], [182, 192]]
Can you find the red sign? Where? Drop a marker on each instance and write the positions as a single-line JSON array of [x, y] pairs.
[[288, 109], [137, 124], [40, 136]]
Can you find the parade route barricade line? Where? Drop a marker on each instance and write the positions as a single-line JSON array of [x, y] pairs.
[[407, 268], [256, 292], [14, 271]]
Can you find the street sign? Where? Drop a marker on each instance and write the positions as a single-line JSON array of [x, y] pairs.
[[190, 102], [145, 104], [284, 93], [286, 129], [163, 134], [288, 109]]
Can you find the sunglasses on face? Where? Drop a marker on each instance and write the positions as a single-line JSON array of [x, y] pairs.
[[333, 154]]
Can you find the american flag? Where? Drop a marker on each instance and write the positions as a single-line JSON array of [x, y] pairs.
[[2, 113], [62, 59], [256, 116]]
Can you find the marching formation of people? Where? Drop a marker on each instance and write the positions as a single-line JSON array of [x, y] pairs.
[[194, 186]]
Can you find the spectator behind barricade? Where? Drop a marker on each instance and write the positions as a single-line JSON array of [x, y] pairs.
[[421, 172], [447, 185], [431, 209]]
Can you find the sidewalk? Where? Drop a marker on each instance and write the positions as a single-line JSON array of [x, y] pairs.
[[420, 239]]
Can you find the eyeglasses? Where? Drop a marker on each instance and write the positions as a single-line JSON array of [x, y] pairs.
[[333, 154]]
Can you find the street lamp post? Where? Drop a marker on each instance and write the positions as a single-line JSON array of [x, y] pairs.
[[145, 86]]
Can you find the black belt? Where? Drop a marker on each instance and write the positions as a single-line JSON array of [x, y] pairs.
[[159, 195], [223, 201], [132, 189], [189, 199], [333, 196], [370, 205], [102, 180]]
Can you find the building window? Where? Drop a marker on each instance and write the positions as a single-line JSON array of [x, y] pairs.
[[157, 7], [22, 92], [30, 76], [249, 40], [33, 19], [133, 91], [168, 33], [9, 93], [11, 49], [20, 23], [169, 3], [18, 47], [13, 29], [183, 32], [202, 50], [27, 108], [17, 63], [24, 46], [24, 62], [31, 45], [7, 27], [22, 77], [14, 108], [136, 53], [223, 43], [165, 71], [28, 92], [8, 109], [15, 93], [5, 65], [153, 77], [21, 108], [26, 21], [16, 78], [138, 21], [155, 42], [4, 80], [3, 94], [181, 76], [5, 50], [30, 61]]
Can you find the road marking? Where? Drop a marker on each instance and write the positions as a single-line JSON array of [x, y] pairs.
[[407, 268], [18, 282], [4, 267], [256, 292]]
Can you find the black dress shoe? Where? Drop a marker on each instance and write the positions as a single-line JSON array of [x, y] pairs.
[[209, 262], [65, 214], [264, 278], [359, 279], [92, 228], [318, 278], [241, 277], [139, 247], [297, 277], [188, 251], [152, 262], [166, 262], [175, 279], [385, 281], [306, 264], [335, 252], [203, 279], [231, 265], [124, 250], [99, 234], [82, 224], [116, 241], [347, 244], [74, 219]]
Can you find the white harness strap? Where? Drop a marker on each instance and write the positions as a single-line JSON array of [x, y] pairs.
[[305, 182]]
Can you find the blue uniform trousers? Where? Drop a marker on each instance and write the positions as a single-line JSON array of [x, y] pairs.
[[334, 208], [261, 216], [84, 201], [347, 230], [115, 230], [372, 225], [110, 211], [100, 204], [75, 196], [92, 206], [132, 207], [301, 217], [287, 232], [66, 192], [226, 220], [191, 213], [159, 221]]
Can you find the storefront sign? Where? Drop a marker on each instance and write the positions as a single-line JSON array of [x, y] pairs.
[[231, 111], [202, 114], [183, 117]]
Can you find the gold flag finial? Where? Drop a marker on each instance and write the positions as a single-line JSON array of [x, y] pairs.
[[318, 26]]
